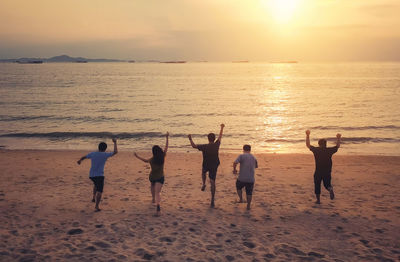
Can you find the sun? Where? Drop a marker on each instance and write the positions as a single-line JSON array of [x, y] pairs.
[[281, 10]]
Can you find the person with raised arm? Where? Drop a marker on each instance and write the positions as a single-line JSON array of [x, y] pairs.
[[156, 175], [96, 173], [210, 160], [323, 164]]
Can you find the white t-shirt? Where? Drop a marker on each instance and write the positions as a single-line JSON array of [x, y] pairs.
[[247, 165], [98, 161]]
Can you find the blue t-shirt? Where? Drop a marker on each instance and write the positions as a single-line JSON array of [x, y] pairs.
[[98, 161]]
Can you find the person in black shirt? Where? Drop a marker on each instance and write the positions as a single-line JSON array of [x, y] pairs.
[[210, 159], [323, 164]]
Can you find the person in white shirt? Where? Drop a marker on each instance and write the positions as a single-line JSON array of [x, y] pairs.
[[96, 173], [248, 164]]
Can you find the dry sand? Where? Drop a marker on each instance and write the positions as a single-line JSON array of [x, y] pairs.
[[47, 213]]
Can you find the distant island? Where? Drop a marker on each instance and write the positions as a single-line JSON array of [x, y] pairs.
[[57, 59], [285, 62], [173, 62], [70, 59]]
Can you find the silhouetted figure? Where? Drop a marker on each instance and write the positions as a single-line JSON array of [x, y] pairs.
[[210, 160], [156, 175], [96, 173], [248, 164], [323, 164]]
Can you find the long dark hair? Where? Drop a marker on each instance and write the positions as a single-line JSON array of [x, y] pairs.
[[158, 155]]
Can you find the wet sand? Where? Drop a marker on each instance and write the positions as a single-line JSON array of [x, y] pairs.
[[47, 213]]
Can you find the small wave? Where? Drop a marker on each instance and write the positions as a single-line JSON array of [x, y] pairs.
[[344, 140], [214, 114], [63, 135], [360, 140], [72, 118], [352, 128], [144, 135], [21, 118], [121, 135]]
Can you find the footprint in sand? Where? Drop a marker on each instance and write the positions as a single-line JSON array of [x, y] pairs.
[[249, 244], [338, 229], [287, 250], [377, 251], [315, 254], [91, 248], [269, 256], [143, 254], [217, 248], [75, 231], [167, 239], [364, 241], [101, 244]]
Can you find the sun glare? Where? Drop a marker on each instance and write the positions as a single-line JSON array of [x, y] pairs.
[[281, 10]]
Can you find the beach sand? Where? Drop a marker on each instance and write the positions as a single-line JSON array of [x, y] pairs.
[[47, 213]]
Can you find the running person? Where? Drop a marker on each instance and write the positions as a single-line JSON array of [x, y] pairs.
[[96, 173], [156, 175], [323, 164], [248, 164], [210, 160]]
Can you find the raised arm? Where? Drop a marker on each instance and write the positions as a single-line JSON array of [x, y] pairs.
[[338, 138], [166, 143], [191, 141], [308, 138], [141, 158], [115, 146], [220, 132], [80, 160]]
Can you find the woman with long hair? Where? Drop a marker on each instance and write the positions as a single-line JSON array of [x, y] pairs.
[[156, 176]]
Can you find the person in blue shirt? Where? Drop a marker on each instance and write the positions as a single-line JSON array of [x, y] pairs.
[[96, 173]]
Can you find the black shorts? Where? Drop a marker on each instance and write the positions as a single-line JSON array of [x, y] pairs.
[[98, 182], [249, 187], [212, 172], [160, 180], [325, 178]]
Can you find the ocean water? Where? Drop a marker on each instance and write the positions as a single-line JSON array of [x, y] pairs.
[[75, 106]]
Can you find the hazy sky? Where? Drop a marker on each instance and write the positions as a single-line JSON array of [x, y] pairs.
[[213, 30]]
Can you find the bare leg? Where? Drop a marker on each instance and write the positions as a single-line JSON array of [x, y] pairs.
[[153, 192], [98, 199], [318, 199], [157, 188], [249, 197], [94, 194], [240, 194], [212, 182], [331, 193], [203, 176]]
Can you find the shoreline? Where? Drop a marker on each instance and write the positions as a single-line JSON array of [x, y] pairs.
[[195, 151]]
